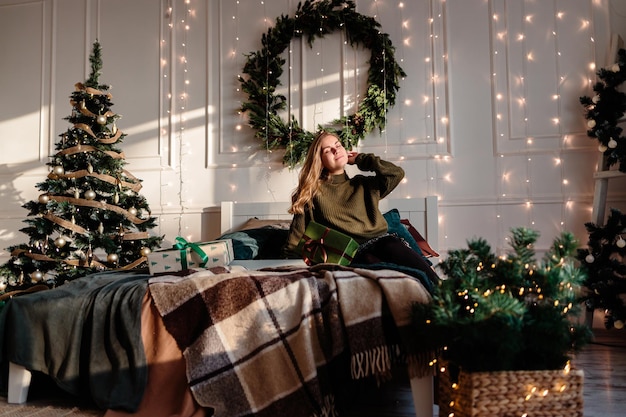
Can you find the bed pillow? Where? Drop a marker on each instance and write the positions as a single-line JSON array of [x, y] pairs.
[[394, 225], [253, 242], [256, 223], [421, 242]]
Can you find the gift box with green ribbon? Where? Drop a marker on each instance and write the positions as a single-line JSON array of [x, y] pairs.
[[189, 255], [321, 244]]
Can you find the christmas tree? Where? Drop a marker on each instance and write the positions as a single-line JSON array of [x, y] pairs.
[[89, 216], [506, 313], [603, 260], [605, 111]]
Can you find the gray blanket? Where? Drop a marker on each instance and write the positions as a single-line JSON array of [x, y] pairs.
[[86, 335]]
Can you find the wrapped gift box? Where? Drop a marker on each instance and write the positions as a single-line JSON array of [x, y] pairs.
[[321, 244], [186, 255]]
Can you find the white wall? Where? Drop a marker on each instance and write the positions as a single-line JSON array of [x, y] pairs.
[[474, 122]]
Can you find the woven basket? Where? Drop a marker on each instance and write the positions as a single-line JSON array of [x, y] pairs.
[[512, 394]]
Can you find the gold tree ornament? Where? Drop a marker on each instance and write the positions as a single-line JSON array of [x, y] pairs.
[[36, 276]]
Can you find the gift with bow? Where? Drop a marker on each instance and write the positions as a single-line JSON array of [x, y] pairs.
[[322, 244], [189, 255]]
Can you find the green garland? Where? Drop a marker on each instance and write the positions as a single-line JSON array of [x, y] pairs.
[[605, 110], [265, 67]]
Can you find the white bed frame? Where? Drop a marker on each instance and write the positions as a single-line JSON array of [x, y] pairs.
[[421, 212]]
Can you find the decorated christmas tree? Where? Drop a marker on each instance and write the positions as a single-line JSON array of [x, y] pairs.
[[506, 313], [603, 261], [89, 216], [605, 111]]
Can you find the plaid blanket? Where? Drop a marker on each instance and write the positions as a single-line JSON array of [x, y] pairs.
[[267, 343]]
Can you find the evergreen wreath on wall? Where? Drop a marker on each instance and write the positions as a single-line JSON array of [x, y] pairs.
[[605, 110], [315, 19]]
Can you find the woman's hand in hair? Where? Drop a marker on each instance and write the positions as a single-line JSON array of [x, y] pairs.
[[352, 157]]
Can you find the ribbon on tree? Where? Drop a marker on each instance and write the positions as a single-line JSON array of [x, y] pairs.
[[182, 245], [98, 204], [92, 91], [66, 224], [107, 141], [88, 148], [45, 258], [111, 140], [106, 178], [136, 236]]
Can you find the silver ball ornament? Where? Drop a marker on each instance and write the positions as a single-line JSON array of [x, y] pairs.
[[101, 119], [36, 276], [58, 170], [90, 194], [132, 211], [612, 144], [589, 259], [620, 242]]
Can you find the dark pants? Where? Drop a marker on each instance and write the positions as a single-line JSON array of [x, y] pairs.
[[392, 249]]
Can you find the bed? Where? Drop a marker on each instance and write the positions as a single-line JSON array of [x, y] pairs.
[[170, 354]]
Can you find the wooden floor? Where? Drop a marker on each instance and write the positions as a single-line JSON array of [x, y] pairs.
[[603, 362], [604, 388]]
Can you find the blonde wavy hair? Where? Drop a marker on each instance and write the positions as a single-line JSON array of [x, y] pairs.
[[311, 176]]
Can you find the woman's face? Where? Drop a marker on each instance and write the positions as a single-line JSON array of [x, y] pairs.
[[333, 154]]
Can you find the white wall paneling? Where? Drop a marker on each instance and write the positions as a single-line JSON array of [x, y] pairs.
[[488, 117], [544, 57]]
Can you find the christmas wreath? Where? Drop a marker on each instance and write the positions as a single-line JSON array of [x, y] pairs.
[[605, 110], [264, 68]]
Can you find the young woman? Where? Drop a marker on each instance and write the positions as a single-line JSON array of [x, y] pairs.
[[328, 196]]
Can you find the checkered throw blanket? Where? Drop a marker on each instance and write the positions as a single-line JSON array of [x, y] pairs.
[[265, 343]]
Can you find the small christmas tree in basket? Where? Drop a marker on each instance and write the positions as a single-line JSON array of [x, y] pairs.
[[502, 329]]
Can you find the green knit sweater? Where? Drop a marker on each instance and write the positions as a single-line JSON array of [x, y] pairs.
[[350, 205]]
